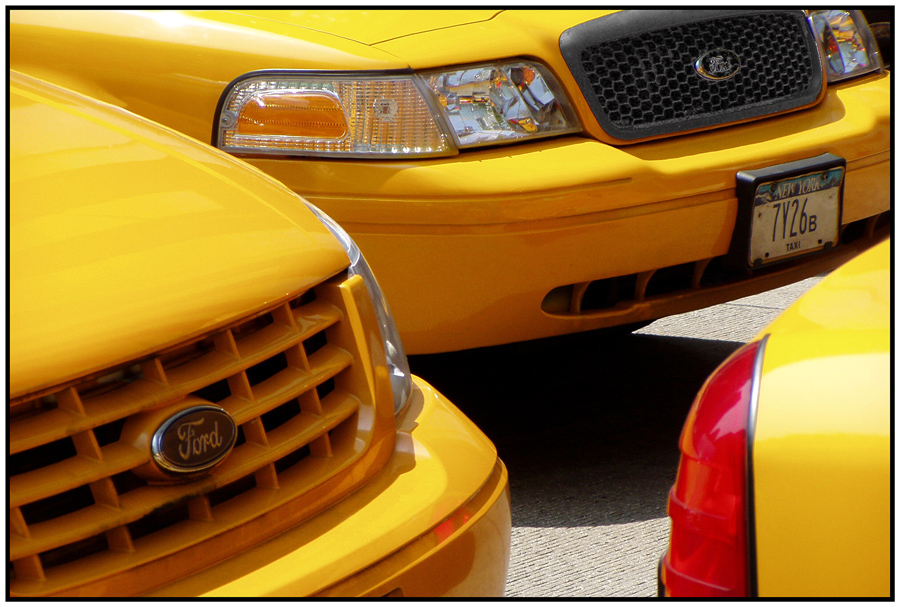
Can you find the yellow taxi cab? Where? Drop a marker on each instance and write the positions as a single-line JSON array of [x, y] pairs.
[[784, 488], [207, 394], [518, 174]]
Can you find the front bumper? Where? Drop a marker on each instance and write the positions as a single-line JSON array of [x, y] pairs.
[[434, 522], [493, 246]]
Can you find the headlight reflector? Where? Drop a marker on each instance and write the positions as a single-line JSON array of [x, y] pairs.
[[398, 366], [492, 103], [848, 46]]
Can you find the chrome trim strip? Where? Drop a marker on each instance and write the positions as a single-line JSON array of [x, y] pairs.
[[752, 409]]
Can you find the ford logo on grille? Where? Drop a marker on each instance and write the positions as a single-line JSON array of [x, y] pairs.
[[194, 439], [719, 64]]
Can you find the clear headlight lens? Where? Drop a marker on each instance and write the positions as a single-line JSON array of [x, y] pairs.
[[391, 115], [491, 103], [848, 46], [398, 366]]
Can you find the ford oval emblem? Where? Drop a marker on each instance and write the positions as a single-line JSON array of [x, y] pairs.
[[194, 439], [720, 64]]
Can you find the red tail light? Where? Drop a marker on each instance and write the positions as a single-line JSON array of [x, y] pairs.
[[709, 504]]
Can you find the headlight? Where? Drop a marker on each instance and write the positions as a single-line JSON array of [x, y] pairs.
[[492, 103], [391, 115], [398, 367], [848, 46]]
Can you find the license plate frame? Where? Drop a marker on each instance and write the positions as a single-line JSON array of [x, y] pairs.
[[812, 189]]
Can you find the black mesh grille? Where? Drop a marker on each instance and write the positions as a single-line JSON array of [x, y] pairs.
[[650, 78], [644, 83]]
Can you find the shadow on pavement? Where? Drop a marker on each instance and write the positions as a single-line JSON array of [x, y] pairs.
[[588, 425]]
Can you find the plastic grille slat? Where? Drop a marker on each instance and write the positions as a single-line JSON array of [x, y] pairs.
[[144, 394], [267, 371], [244, 460], [71, 473]]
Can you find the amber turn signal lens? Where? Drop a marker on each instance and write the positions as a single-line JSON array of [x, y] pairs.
[[294, 113]]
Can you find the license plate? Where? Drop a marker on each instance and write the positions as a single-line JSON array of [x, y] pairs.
[[793, 212]]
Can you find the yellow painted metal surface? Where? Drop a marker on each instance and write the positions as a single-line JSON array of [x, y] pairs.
[[148, 72], [822, 454], [443, 468], [467, 247], [127, 238], [148, 240], [372, 26]]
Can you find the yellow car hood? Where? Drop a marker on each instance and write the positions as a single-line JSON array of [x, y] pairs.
[[126, 238], [372, 26]]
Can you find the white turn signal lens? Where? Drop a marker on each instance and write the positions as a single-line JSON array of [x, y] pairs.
[[848, 47], [497, 103], [351, 115]]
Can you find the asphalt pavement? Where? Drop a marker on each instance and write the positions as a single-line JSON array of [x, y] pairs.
[[588, 426]]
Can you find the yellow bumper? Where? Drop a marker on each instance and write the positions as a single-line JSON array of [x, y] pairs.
[[469, 248], [434, 522]]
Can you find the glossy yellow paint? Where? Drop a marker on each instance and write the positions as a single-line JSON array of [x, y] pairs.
[[127, 238], [371, 26], [467, 247], [822, 453], [147, 73], [443, 469], [143, 227]]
